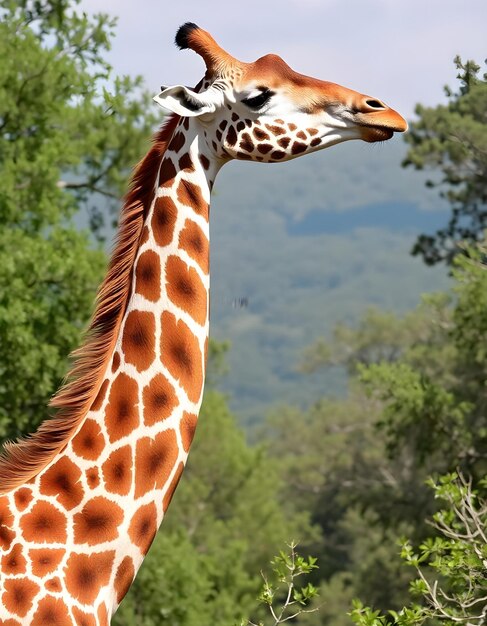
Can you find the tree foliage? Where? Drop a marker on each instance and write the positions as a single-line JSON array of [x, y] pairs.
[[452, 139], [61, 145]]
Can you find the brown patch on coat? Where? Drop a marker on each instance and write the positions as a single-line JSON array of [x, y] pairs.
[[143, 527], [154, 460], [148, 276], [92, 477], [19, 595], [83, 619], [53, 584], [177, 142], [14, 562], [22, 498], [193, 241], [190, 194], [188, 427], [86, 574], [138, 339], [96, 406], [185, 163], [62, 480], [159, 399], [163, 220], [51, 611], [186, 290], [123, 578], [45, 560], [89, 442], [275, 130], [181, 354], [97, 522], [117, 471], [44, 524], [116, 362], [121, 413], [205, 162], [7, 535], [172, 487]]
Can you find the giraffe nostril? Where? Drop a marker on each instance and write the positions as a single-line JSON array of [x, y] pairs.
[[375, 104]]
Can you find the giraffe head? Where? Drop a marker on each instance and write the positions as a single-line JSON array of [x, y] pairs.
[[265, 111]]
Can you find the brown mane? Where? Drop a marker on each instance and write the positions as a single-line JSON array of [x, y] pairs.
[[22, 460]]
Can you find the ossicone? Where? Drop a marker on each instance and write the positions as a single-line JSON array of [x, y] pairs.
[[191, 36]]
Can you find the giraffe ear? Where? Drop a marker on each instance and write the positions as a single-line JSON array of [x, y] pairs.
[[188, 103]]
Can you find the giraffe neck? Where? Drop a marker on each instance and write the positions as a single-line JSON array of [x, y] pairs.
[[95, 509]]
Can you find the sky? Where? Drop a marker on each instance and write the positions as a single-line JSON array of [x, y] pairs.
[[399, 51]]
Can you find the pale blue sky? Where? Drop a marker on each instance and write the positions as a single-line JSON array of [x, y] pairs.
[[400, 51]]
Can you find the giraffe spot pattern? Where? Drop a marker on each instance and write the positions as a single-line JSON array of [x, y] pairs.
[[193, 241], [97, 403], [246, 142], [204, 161], [89, 442], [22, 498], [177, 142], [187, 428], [86, 574], [116, 362], [185, 289], [231, 136], [181, 354], [172, 487], [148, 276], [45, 560], [97, 522], [185, 163], [92, 477], [117, 471], [160, 400], [121, 413], [44, 524], [6, 521], [190, 194], [14, 562], [264, 148], [19, 595], [260, 134], [167, 173], [275, 130], [154, 460], [62, 481], [124, 577], [164, 220], [54, 585], [83, 619], [298, 147], [138, 343], [144, 238], [143, 527], [51, 611]]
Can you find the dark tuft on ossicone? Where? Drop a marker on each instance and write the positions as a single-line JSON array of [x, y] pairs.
[[182, 34]]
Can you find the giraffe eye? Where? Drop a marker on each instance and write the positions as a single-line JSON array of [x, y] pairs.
[[258, 101]]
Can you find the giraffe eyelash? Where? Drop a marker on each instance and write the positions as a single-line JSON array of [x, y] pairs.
[[256, 102]]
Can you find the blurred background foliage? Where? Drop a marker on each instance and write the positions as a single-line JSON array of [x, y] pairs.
[[344, 474]]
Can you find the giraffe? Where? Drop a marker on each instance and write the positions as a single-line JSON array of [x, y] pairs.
[[82, 498]]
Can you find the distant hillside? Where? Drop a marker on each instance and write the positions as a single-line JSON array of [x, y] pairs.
[[302, 245]]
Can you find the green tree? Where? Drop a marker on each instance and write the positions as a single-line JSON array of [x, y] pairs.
[[452, 139], [451, 586], [62, 146]]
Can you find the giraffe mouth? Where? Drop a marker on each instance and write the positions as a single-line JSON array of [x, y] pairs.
[[372, 134]]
